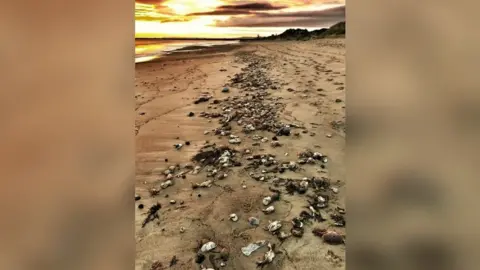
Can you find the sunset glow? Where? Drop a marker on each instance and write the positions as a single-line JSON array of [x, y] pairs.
[[232, 18]]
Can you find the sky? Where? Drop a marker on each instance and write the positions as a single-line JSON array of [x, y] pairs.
[[232, 18]]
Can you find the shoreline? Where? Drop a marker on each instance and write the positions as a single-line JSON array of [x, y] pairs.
[[271, 87], [184, 54]]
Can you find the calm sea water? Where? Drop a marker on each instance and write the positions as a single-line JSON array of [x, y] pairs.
[[147, 50]]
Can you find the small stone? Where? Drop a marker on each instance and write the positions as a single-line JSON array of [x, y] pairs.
[[182, 229], [166, 184], [140, 206], [137, 197], [332, 238], [191, 114], [225, 90], [178, 146], [173, 202], [187, 143], [166, 160], [253, 221], [338, 100]]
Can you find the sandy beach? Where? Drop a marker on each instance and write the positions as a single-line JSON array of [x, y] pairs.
[[269, 119]]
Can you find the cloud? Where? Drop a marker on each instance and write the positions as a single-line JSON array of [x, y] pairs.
[[161, 19], [223, 12], [252, 6], [157, 13], [319, 18], [150, 2], [240, 9]]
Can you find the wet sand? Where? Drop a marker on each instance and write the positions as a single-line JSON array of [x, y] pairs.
[[308, 80]]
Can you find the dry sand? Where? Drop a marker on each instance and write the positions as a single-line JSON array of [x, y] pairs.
[[165, 91]]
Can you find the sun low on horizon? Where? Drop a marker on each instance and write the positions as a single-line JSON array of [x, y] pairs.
[[232, 18]]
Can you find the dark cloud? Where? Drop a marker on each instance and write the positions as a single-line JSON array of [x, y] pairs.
[[221, 12], [151, 2], [332, 12], [240, 9], [252, 7], [320, 18]]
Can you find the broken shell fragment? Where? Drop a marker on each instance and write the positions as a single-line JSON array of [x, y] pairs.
[[208, 247], [248, 250], [233, 217], [283, 235], [274, 226], [297, 223], [267, 200], [268, 257], [269, 209], [297, 232]]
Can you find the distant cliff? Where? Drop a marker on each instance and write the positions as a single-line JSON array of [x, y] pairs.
[[337, 30]]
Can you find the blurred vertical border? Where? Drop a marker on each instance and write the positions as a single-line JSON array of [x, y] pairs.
[[413, 134], [67, 137]]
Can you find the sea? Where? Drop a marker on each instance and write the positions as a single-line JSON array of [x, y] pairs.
[[151, 49]]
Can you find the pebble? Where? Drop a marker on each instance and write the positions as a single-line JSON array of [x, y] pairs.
[[178, 146], [253, 221]]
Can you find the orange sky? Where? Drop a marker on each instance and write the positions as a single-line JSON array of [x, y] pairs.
[[232, 18]]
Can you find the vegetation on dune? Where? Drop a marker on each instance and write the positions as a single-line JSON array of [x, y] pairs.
[[337, 30]]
